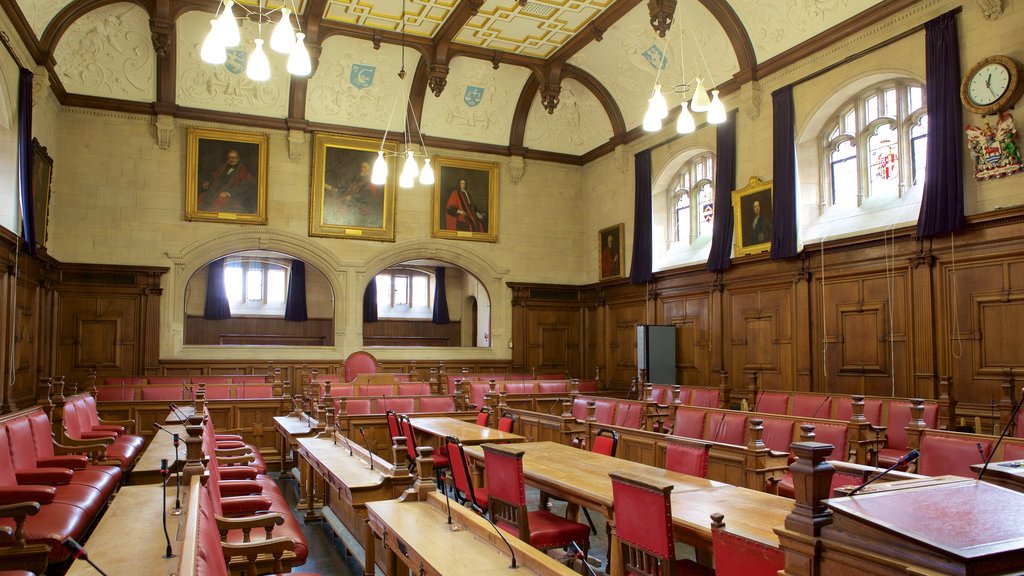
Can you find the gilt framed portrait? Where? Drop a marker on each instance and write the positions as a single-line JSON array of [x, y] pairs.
[[465, 205], [752, 207], [343, 202], [42, 174], [611, 253], [226, 179]]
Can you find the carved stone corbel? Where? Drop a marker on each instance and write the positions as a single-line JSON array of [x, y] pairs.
[[516, 168], [163, 126], [990, 9], [662, 13], [296, 143], [549, 96], [437, 78]]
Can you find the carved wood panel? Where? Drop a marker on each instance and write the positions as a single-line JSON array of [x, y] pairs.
[[553, 339], [691, 316], [761, 336]]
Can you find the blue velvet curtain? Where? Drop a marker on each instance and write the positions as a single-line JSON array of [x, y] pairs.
[[640, 268], [783, 175], [370, 301], [295, 304], [440, 298], [25, 159], [725, 183], [942, 202], [217, 307]]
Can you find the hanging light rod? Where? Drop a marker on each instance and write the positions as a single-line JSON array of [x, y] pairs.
[[225, 33]]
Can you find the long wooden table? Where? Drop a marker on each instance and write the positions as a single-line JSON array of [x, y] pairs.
[[581, 477], [129, 539], [289, 428], [467, 432], [1009, 474], [161, 447], [416, 533]]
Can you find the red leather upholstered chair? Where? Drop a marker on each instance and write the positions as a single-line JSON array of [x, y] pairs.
[[661, 394], [739, 556], [834, 434], [777, 434], [476, 394], [705, 397], [689, 423], [258, 391], [441, 460], [684, 395], [896, 437], [811, 406], [360, 363], [687, 457], [413, 389], [394, 429], [604, 410], [606, 442], [506, 499], [507, 423], [949, 455], [628, 415], [482, 416], [553, 388], [464, 489], [643, 523], [771, 402], [579, 409], [726, 427], [400, 405], [436, 404]]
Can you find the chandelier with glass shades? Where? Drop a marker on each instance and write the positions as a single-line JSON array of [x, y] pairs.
[[410, 169], [657, 107], [224, 33]]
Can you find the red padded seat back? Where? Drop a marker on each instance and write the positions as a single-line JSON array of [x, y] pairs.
[[353, 406], [1013, 452], [643, 517], [931, 415], [410, 437], [506, 423], [413, 389], [115, 393], [91, 412], [706, 397], [810, 406], [172, 381], [343, 391], [556, 387], [22, 445], [518, 387], [209, 556], [460, 468], [605, 442], [257, 391], [165, 393], [729, 428], [586, 386], [218, 392], [899, 417], [248, 380], [7, 477], [771, 402], [605, 412], [661, 394], [82, 411], [778, 434], [628, 415], [689, 423], [42, 433], [684, 396], [72, 423], [436, 404], [504, 476], [834, 434], [359, 363], [872, 409], [400, 405], [120, 381], [215, 380], [942, 455], [393, 427], [378, 390], [483, 416], [476, 393], [579, 408], [738, 556], [687, 458]]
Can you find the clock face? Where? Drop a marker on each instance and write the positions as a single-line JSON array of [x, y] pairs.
[[988, 84]]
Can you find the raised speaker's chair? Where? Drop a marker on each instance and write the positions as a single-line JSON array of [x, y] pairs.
[[506, 498], [360, 363], [643, 523]]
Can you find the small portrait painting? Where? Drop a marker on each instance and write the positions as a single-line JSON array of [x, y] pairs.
[[466, 200], [611, 251], [344, 201], [227, 176], [752, 206], [42, 172]]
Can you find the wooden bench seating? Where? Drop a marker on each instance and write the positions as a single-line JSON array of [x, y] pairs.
[[946, 452], [350, 406], [218, 390]]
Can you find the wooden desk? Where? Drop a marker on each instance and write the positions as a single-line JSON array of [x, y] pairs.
[[290, 428], [748, 513], [1009, 474], [175, 416], [161, 447], [129, 539], [467, 432], [417, 535]]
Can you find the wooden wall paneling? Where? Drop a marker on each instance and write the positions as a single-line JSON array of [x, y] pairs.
[[803, 327], [620, 333], [761, 335], [690, 314], [7, 403], [923, 316]]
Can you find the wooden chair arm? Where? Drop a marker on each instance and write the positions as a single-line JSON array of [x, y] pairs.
[[237, 431], [19, 510], [232, 451], [129, 424], [267, 521], [232, 460], [278, 545], [95, 446], [271, 556], [88, 444]]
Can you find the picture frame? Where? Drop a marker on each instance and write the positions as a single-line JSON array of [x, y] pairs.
[[752, 207], [343, 203], [465, 200], [611, 254], [217, 192], [42, 176]]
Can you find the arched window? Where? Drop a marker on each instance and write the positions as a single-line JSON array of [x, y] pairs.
[[874, 146], [693, 199]]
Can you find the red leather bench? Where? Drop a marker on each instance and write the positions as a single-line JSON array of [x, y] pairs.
[[76, 425]]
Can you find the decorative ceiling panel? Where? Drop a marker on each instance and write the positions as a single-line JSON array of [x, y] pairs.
[[537, 29], [109, 53], [422, 17], [775, 26], [357, 87], [225, 87], [577, 126], [298, 6], [39, 13], [477, 104], [627, 60]]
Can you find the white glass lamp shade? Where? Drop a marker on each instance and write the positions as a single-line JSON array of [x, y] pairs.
[[409, 171], [283, 38], [685, 123], [652, 120], [258, 68], [379, 174], [298, 62], [213, 52], [658, 102], [228, 26], [427, 173], [716, 111], [700, 102]]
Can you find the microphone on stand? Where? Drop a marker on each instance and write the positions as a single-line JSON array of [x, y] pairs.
[[447, 502], [581, 555], [78, 552], [1006, 430], [177, 472], [163, 496], [760, 394], [904, 460], [718, 430], [815, 413], [512, 552], [178, 412], [367, 445]]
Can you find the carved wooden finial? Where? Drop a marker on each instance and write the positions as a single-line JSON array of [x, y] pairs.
[[718, 520]]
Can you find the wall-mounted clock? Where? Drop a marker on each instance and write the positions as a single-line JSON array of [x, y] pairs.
[[992, 85]]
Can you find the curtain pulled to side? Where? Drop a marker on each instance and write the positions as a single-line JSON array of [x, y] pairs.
[[440, 298], [295, 303], [783, 175], [25, 154], [942, 200], [725, 183], [640, 271], [370, 301], [217, 307]]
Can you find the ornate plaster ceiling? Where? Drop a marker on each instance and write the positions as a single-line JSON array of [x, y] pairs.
[[560, 79]]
